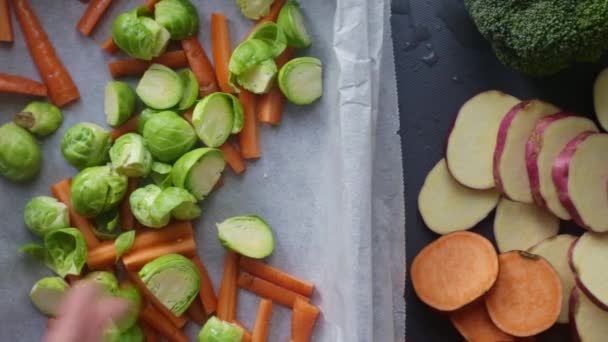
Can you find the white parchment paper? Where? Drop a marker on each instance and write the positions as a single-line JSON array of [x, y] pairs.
[[329, 182]]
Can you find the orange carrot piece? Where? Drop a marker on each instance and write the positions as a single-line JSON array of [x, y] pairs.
[[474, 324], [155, 319], [134, 260], [21, 85], [58, 81], [61, 191], [303, 320], [246, 333], [268, 290], [6, 27], [200, 65], [206, 292], [276, 276], [196, 313], [109, 46], [150, 4], [136, 67], [227, 298], [128, 127], [92, 15], [221, 48], [188, 115], [150, 335], [270, 105], [248, 138], [127, 220], [233, 157], [262, 320]]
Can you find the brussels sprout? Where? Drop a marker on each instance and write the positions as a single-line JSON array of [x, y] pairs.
[[273, 35], [119, 103], [66, 251], [216, 117], [40, 118], [160, 87], [216, 330], [142, 205], [104, 279], [138, 35], [43, 214], [133, 334], [173, 279], [168, 136], [252, 59], [129, 293], [96, 190], [260, 78], [161, 174], [178, 203], [254, 9], [20, 155], [85, 145], [179, 17], [198, 170], [301, 80], [106, 225], [130, 157], [190, 94], [247, 235], [143, 118], [47, 293], [123, 243], [292, 22]]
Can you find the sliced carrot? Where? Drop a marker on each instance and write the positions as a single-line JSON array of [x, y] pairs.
[[233, 157], [92, 15], [150, 4], [128, 127], [196, 313], [134, 260], [474, 324], [188, 115], [136, 67], [268, 290], [200, 65], [109, 46], [127, 220], [246, 333], [62, 89], [6, 28], [61, 191], [221, 48], [249, 141], [527, 296], [21, 85], [206, 292], [150, 335], [227, 298], [303, 320], [155, 319], [270, 105], [262, 320], [276, 276]]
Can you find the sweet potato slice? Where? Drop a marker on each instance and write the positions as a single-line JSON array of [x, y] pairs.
[[475, 325], [447, 206], [588, 322], [527, 296], [454, 270], [588, 257]]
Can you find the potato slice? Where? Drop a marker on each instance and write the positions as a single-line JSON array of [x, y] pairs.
[[588, 257], [589, 323]]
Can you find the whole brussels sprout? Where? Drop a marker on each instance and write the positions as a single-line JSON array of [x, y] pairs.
[[130, 157], [254, 9], [96, 190], [41, 118], [20, 155], [179, 17], [143, 118], [139, 35], [47, 293], [106, 280], [43, 214], [216, 330], [85, 145], [168, 136]]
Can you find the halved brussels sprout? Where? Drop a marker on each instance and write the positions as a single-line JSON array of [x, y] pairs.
[[198, 171], [247, 235], [253, 59], [131, 294], [260, 78], [161, 174], [43, 214], [133, 334], [254, 9], [123, 243], [168, 136], [292, 22], [301, 80], [138, 35], [20, 155], [96, 190], [176, 202], [104, 279], [190, 89], [179, 17], [174, 280], [130, 157], [40, 118], [273, 35], [106, 225], [85, 145], [47, 293], [142, 205], [160, 87], [216, 117], [216, 330], [64, 251], [143, 118], [119, 103]]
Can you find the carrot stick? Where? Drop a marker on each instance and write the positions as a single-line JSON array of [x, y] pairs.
[[206, 292], [61, 191], [276, 276], [188, 115], [270, 106], [109, 46], [92, 15], [6, 28], [233, 158], [248, 138], [200, 65], [136, 67], [134, 260], [474, 324], [220, 42], [246, 333], [150, 334], [227, 298], [268, 290], [127, 220], [196, 313], [128, 127], [150, 4], [21, 85], [303, 320], [58, 81], [260, 328], [155, 319]]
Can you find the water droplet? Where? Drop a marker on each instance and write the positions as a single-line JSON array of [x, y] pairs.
[[430, 59], [456, 79]]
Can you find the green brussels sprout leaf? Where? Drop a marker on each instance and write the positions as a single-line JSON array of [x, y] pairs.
[[248, 54], [47, 293], [161, 174], [139, 36], [247, 235], [64, 251], [273, 35], [40, 118], [190, 89], [178, 203], [143, 118], [43, 214], [20, 155], [179, 17], [106, 225], [301, 80], [254, 9], [123, 243], [119, 103], [216, 330], [260, 78], [34, 251], [198, 171], [96, 190], [168, 136], [292, 22], [130, 157], [104, 279], [160, 87], [85, 145], [142, 204], [216, 117]]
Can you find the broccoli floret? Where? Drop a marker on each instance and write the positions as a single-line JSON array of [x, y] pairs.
[[542, 37]]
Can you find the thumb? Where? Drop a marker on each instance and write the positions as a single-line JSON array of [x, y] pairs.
[[112, 308]]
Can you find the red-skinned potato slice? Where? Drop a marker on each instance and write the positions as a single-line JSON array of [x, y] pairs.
[[475, 325], [600, 98], [447, 206], [519, 226], [527, 296], [548, 139], [588, 322], [587, 259], [580, 173], [510, 155], [454, 270], [472, 140], [555, 251]]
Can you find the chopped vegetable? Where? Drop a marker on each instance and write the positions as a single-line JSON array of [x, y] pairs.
[[144, 116], [96, 190], [64, 251], [20, 155], [160, 87], [178, 203], [301, 80], [150, 334], [247, 235], [179, 17], [85, 145], [109, 46], [43, 214], [291, 21], [268, 290], [21, 85], [142, 203], [270, 106], [276, 276], [40, 118], [206, 292], [233, 157], [159, 322], [588, 321], [137, 259], [196, 313], [129, 293], [254, 9], [273, 35], [198, 171], [221, 48], [104, 279], [132, 125], [139, 35], [106, 225], [216, 330], [137, 67], [6, 28], [119, 103], [161, 174], [587, 258], [252, 66], [47, 293], [246, 333], [249, 140], [190, 86], [168, 136], [130, 157], [303, 320], [200, 65], [260, 78], [216, 117], [123, 243], [132, 334], [92, 15], [262, 320], [474, 324], [227, 294]]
